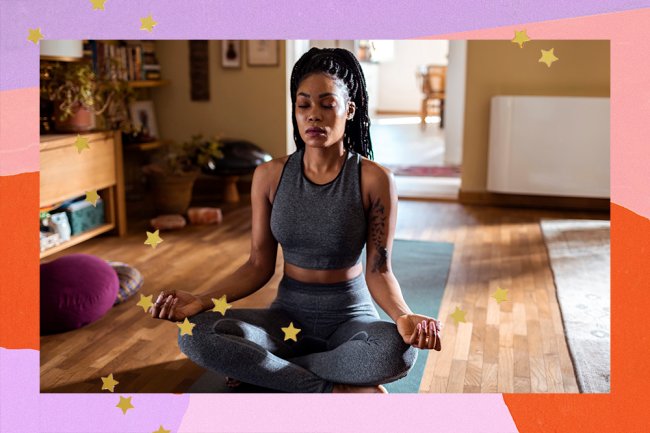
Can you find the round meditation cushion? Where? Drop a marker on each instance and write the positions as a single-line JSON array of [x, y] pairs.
[[131, 280], [76, 290]]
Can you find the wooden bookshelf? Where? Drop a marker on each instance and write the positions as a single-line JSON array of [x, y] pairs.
[[65, 174], [147, 83], [77, 239], [149, 145]]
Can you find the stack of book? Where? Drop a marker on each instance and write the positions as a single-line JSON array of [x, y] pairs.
[[123, 60], [150, 65]]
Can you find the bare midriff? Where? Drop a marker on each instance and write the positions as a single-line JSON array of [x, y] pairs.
[[322, 276]]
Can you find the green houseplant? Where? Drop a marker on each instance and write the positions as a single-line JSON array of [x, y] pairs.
[[175, 168], [79, 95]]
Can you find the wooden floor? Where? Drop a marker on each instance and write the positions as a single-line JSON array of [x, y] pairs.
[[426, 147], [517, 346], [393, 134]]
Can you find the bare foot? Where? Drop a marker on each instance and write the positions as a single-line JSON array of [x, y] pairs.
[[341, 387], [232, 383]]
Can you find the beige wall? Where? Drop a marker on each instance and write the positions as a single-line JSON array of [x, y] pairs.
[[502, 68], [247, 103], [399, 89]]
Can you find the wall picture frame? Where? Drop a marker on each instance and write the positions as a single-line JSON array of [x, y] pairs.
[[263, 53], [143, 120], [231, 54]]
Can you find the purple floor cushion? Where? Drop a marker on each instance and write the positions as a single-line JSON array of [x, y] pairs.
[[76, 290], [130, 280]]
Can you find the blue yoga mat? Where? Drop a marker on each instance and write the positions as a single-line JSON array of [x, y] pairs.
[[421, 268]]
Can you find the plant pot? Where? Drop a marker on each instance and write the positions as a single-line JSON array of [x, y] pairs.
[[81, 120], [172, 194]]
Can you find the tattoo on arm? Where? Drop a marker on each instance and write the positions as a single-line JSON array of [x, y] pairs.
[[378, 236]]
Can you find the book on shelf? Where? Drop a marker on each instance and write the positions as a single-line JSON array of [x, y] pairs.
[[152, 75], [151, 72], [125, 60]]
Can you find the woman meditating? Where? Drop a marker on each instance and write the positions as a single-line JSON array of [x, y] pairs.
[[322, 204]]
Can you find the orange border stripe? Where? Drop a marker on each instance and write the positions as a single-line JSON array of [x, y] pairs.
[[19, 264], [625, 409]]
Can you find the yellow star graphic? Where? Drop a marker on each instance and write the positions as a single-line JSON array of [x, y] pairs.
[[98, 4], [500, 295], [548, 57], [153, 239], [221, 305], [109, 383], [125, 404], [458, 315], [520, 38], [186, 327], [92, 197], [145, 302], [35, 35], [147, 23], [162, 430], [81, 143], [290, 332]]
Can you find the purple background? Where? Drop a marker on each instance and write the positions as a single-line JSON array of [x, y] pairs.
[[264, 19]]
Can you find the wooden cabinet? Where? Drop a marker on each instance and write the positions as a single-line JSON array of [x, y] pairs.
[[65, 173]]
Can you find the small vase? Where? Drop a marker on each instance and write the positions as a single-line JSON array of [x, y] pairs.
[[81, 120]]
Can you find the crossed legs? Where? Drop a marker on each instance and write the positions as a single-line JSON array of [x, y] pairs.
[[363, 351], [249, 345]]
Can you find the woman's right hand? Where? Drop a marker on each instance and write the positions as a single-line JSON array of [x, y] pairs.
[[176, 305]]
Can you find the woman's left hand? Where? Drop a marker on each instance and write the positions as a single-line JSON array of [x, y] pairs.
[[420, 331]]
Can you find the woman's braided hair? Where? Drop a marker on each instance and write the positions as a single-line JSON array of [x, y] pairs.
[[341, 64]]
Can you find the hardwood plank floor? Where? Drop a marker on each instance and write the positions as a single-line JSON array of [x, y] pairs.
[[515, 346]]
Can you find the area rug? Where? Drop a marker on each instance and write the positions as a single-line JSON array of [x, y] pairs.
[[424, 170], [422, 269], [579, 252]]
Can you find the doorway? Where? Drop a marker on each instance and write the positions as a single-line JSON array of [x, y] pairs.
[[426, 158]]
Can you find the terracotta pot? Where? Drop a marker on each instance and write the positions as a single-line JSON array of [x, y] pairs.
[[172, 194], [81, 120]]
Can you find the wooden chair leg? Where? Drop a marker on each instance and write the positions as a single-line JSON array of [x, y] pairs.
[[423, 113]]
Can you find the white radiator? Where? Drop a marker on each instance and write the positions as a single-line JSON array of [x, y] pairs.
[[549, 145]]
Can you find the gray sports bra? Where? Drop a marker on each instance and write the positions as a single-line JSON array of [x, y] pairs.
[[320, 226]]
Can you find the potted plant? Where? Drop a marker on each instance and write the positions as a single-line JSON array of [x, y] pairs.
[[79, 95], [174, 170]]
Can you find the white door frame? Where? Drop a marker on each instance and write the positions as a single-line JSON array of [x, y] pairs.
[[294, 49], [455, 101]]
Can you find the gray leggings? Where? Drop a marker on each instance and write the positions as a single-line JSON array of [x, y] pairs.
[[341, 340]]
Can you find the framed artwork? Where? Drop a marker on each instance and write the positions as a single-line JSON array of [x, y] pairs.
[[263, 53], [231, 54], [199, 71], [143, 119]]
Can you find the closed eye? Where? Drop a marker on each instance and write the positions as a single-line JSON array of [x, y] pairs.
[[324, 106]]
